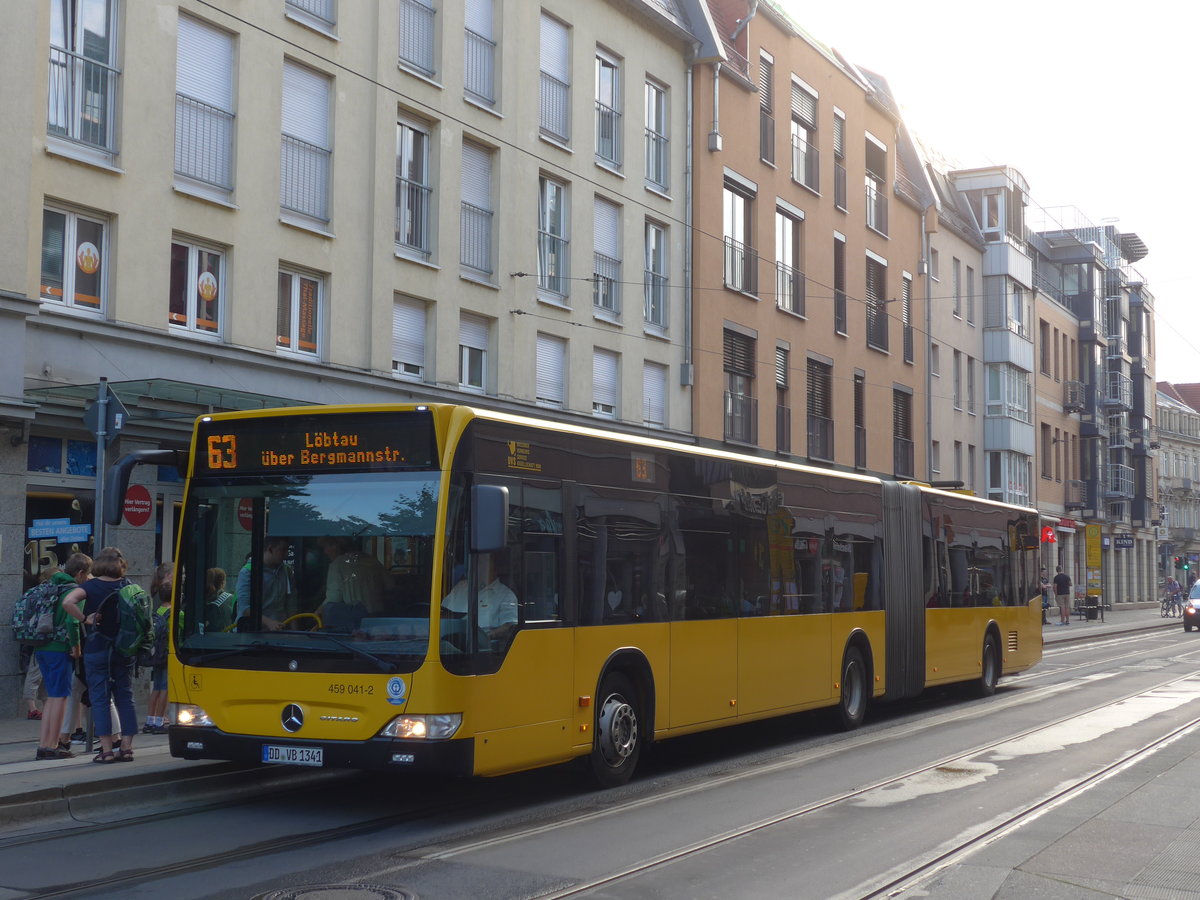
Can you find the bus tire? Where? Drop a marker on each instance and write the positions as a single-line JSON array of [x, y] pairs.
[[618, 732], [852, 705], [989, 664]]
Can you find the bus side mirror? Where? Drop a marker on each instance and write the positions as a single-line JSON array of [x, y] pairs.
[[117, 481], [489, 518]]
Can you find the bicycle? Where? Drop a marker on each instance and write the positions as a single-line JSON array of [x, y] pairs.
[[1171, 607]]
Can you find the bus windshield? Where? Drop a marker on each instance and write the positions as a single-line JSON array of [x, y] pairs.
[[330, 572]]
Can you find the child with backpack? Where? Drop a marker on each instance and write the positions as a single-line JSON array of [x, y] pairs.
[[114, 611], [55, 655], [160, 593]]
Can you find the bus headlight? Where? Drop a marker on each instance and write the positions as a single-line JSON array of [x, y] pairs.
[[431, 728], [187, 714]]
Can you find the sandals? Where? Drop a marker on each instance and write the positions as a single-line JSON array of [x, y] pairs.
[[105, 756], [123, 755]]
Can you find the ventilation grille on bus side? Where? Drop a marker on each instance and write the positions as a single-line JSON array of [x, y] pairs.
[[1012, 642]]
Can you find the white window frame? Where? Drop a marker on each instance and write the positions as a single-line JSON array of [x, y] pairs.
[[74, 70], [658, 140], [474, 337], [293, 338], [410, 327], [415, 202], [657, 278], [609, 105], [190, 321], [553, 240], [82, 255]]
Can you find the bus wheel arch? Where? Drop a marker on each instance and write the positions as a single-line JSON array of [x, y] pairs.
[[854, 683], [623, 720]]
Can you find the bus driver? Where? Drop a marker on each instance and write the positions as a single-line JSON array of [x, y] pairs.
[[497, 604]]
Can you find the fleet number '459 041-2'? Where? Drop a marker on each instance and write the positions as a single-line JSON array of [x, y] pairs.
[[340, 688]]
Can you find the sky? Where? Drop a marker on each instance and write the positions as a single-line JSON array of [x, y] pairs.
[[1089, 101]]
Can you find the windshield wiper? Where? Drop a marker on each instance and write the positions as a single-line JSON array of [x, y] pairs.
[[382, 664]]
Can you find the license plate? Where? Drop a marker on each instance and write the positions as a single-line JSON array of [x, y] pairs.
[[293, 756]]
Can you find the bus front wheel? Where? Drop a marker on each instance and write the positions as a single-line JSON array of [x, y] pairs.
[[618, 738], [989, 665], [852, 707]]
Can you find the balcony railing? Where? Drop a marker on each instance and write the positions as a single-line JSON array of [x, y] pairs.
[[1119, 390], [658, 164], [1074, 494], [80, 99], [1074, 396], [860, 446], [656, 299], [1119, 481], [741, 418], [479, 62], [783, 429], [554, 99], [608, 134], [324, 10], [741, 267], [416, 35], [1118, 346], [475, 238], [304, 178], [820, 437], [806, 163], [839, 186], [877, 209], [789, 289], [412, 215], [606, 281], [203, 142], [552, 263], [903, 457]]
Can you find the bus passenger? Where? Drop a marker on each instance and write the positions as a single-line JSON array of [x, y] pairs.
[[497, 604], [218, 602], [278, 584], [354, 585]]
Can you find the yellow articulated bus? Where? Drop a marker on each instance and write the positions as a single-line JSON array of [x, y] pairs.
[[440, 588]]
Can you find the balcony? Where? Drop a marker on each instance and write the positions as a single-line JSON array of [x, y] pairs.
[[1074, 494], [554, 104], [80, 98], [412, 216], [1118, 390], [741, 418], [479, 72], [1119, 481], [416, 35], [741, 267], [606, 281], [608, 135], [902, 457], [1074, 396], [304, 178], [475, 238], [806, 164], [203, 142], [789, 289], [1118, 346], [820, 438]]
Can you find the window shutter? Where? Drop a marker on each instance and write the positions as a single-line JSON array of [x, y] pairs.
[[819, 399], [473, 331], [204, 66], [781, 367], [479, 17], [604, 381], [306, 104], [551, 369], [654, 394], [901, 415], [739, 354], [555, 59], [476, 175], [804, 106], [607, 218], [408, 336], [766, 86], [839, 136]]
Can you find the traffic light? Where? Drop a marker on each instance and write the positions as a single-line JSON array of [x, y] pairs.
[[1179, 562]]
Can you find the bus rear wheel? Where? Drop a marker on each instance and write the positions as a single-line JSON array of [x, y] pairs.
[[618, 737], [989, 666], [852, 707]]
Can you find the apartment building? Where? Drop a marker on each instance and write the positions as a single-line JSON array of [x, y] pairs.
[[1177, 434], [218, 205], [808, 245]]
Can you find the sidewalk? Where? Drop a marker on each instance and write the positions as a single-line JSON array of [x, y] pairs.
[[31, 790]]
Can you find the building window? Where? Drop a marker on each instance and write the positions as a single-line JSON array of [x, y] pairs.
[[204, 104], [473, 353], [935, 360], [319, 13], [654, 394], [766, 108], [604, 383], [475, 228], [479, 52], [554, 92], [197, 288], [1008, 477], [741, 261], [783, 412], [957, 379], [876, 186], [935, 457], [741, 411], [606, 271], [553, 243], [970, 386], [1008, 392], [970, 296], [658, 158], [789, 279], [860, 420], [956, 285], [608, 110], [839, 159], [656, 276], [416, 35], [409, 328], [839, 286], [83, 81], [820, 410], [299, 315], [414, 191], [906, 318], [902, 433], [877, 316], [935, 261], [74, 259], [550, 377], [306, 146], [806, 159]]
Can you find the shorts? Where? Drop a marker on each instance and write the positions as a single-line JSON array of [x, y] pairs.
[[57, 669], [158, 678]]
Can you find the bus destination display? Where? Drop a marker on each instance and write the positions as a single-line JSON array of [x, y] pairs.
[[332, 443]]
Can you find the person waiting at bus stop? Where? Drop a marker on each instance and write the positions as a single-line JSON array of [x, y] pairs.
[[496, 604], [278, 584]]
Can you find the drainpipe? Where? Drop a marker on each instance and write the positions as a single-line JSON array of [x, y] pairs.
[[714, 136], [925, 264], [686, 375], [742, 23]]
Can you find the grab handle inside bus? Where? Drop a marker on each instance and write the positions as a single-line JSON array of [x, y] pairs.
[[489, 518], [118, 476]]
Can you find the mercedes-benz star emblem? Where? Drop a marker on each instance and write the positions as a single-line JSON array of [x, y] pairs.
[[292, 718]]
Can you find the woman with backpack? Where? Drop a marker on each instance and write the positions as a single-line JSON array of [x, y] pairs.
[[109, 674], [55, 658]]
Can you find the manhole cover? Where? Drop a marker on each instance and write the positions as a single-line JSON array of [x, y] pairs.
[[338, 892]]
